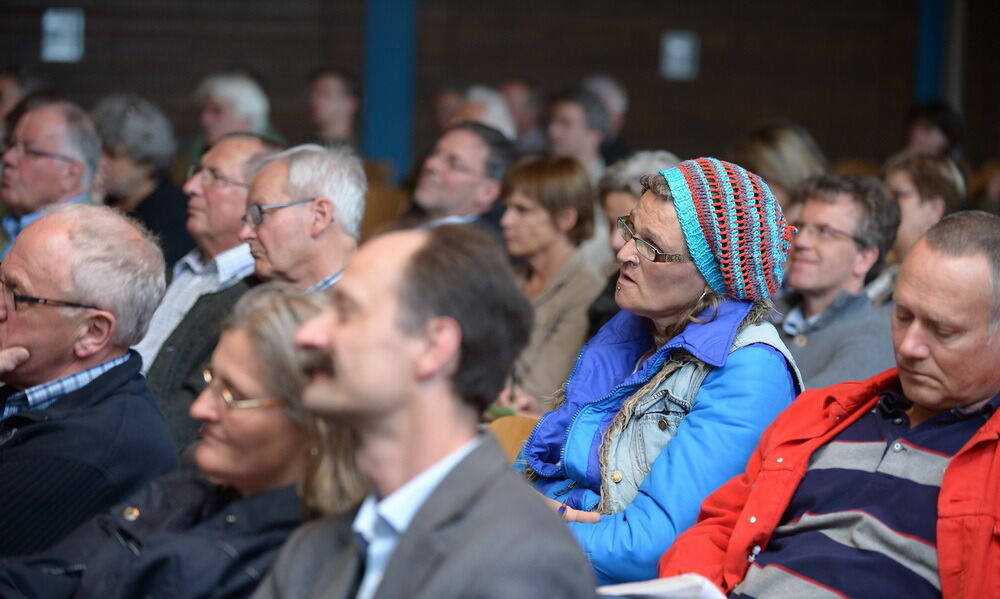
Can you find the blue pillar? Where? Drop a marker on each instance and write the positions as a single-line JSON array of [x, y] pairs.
[[932, 49], [389, 78]]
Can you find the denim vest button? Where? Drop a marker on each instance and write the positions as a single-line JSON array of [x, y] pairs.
[[662, 424], [131, 514], [616, 477]]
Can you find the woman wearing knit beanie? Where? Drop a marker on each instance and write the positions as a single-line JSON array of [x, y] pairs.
[[668, 400]]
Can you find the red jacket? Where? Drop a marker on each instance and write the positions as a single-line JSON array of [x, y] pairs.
[[737, 520]]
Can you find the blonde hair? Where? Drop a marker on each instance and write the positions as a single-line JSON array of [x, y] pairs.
[[269, 315]]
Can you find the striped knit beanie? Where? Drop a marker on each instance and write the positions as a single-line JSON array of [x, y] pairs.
[[733, 227]]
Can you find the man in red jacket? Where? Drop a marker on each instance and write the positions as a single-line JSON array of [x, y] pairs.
[[888, 487]]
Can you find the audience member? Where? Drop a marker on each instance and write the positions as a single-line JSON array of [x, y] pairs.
[[549, 211], [845, 228], [668, 400], [785, 155], [447, 100], [926, 188], [206, 282], [333, 106], [50, 159], [934, 129], [886, 487], [619, 190], [446, 518], [80, 428], [15, 84], [460, 180], [578, 124], [482, 104], [303, 214], [615, 100], [525, 104], [222, 524], [138, 148]]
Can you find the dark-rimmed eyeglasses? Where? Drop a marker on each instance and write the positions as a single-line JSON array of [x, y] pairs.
[[826, 233], [255, 213], [22, 149], [644, 248], [223, 392], [211, 177], [17, 300]]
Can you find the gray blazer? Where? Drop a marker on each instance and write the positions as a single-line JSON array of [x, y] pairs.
[[482, 533]]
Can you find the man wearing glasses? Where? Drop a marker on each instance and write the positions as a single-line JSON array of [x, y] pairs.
[[846, 227], [460, 181], [49, 159], [206, 282], [79, 429], [303, 215]]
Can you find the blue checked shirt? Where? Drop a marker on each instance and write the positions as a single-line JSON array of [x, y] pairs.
[[325, 283], [42, 396]]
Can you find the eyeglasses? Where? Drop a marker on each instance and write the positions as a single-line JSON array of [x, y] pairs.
[[453, 163], [17, 300], [227, 396], [211, 177], [21, 149], [255, 213], [826, 233], [644, 248]]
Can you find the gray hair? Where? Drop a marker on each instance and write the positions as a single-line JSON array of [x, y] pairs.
[[245, 94], [611, 93], [315, 171], [116, 265], [971, 233], [81, 136], [625, 174], [139, 126], [496, 112], [269, 315]]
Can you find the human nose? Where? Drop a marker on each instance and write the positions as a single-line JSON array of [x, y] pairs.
[[626, 254], [194, 184], [205, 408], [10, 154], [315, 332], [506, 218], [247, 232], [912, 342]]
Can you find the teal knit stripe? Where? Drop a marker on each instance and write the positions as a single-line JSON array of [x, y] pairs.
[[697, 246], [756, 215]]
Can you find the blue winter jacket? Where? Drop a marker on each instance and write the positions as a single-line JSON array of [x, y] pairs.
[[742, 393]]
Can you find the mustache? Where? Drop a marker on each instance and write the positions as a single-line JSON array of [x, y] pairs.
[[315, 361]]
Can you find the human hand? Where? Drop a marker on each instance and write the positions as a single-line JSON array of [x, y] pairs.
[[12, 357], [569, 514], [525, 404]]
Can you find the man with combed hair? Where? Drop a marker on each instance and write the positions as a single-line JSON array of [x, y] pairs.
[[844, 229], [231, 102], [303, 215], [206, 282], [50, 159], [460, 180], [447, 518], [885, 487], [79, 429], [483, 104]]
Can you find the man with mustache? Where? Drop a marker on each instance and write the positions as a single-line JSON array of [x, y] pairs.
[[886, 487]]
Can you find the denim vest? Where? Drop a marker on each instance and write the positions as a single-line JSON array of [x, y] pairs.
[[650, 421]]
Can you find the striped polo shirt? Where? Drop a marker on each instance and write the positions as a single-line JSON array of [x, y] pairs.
[[862, 522]]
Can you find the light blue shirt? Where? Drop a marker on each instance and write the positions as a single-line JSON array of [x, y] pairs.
[[13, 225], [796, 322], [380, 524], [325, 283]]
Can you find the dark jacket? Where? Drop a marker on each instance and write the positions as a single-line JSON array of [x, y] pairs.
[[164, 212], [175, 375], [61, 465], [181, 537]]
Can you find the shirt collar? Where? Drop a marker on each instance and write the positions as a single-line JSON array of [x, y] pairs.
[[43, 395], [325, 283], [399, 508], [13, 225], [230, 265]]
